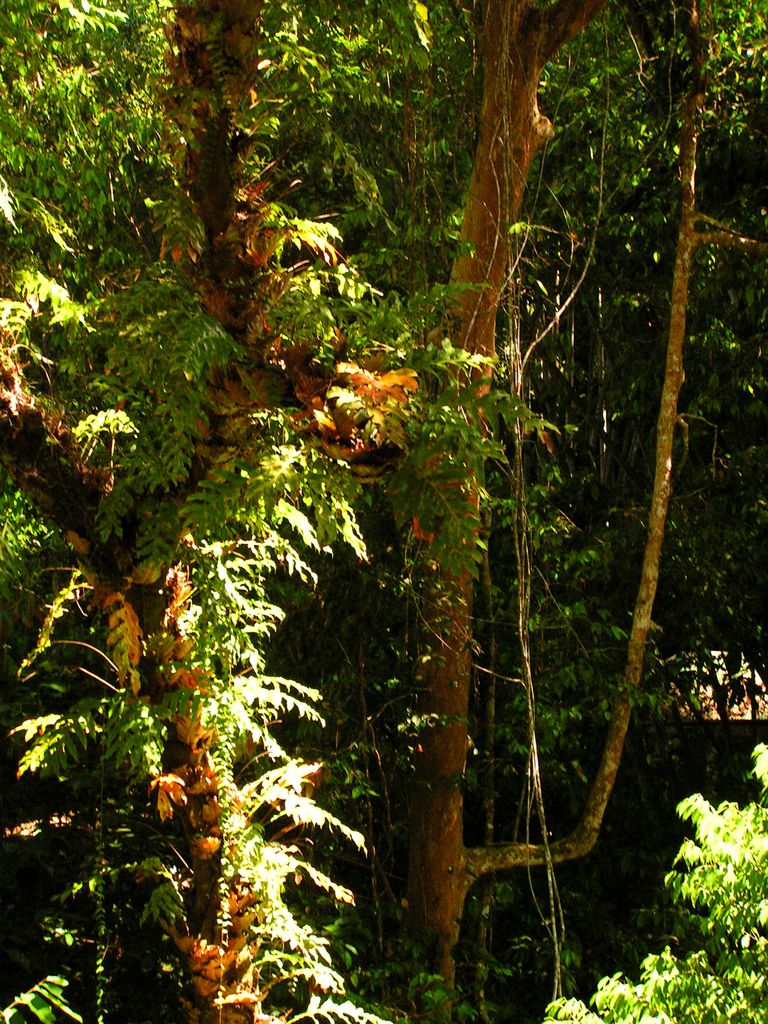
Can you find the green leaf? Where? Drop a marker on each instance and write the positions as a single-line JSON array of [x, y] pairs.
[[421, 23], [7, 202]]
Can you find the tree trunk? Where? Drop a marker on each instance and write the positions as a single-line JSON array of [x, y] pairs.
[[213, 57], [581, 840], [517, 41], [437, 881]]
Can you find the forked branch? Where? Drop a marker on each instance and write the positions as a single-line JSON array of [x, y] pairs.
[[564, 21]]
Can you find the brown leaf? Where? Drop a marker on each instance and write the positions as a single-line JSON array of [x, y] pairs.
[[170, 791], [546, 440], [205, 847]]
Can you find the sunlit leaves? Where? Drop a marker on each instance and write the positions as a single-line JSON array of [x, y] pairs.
[[284, 789], [452, 430], [124, 639], [128, 733], [54, 106], [55, 611], [57, 743], [7, 202], [421, 22], [43, 1002], [722, 881]]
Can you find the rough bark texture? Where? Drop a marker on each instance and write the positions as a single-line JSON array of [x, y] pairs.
[[213, 57]]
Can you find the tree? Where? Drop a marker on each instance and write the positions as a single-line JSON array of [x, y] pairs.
[[517, 42], [157, 424]]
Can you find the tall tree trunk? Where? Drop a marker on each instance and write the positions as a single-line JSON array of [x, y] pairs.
[[518, 39]]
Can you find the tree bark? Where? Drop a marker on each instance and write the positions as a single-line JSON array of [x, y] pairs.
[[517, 41], [437, 880]]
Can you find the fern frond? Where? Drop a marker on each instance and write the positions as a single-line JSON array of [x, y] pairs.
[[327, 1009], [58, 742], [281, 788], [43, 1002], [278, 694], [56, 610], [124, 639], [134, 734]]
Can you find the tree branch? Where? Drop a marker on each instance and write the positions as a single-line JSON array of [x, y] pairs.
[[728, 239], [564, 21], [479, 861]]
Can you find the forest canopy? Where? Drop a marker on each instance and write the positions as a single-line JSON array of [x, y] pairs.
[[382, 477]]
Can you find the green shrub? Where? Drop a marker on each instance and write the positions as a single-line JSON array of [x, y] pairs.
[[720, 879]]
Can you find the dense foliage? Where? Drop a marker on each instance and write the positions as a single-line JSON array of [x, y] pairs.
[[273, 506]]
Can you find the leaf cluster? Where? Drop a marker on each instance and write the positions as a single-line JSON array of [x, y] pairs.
[[722, 881], [44, 1002]]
